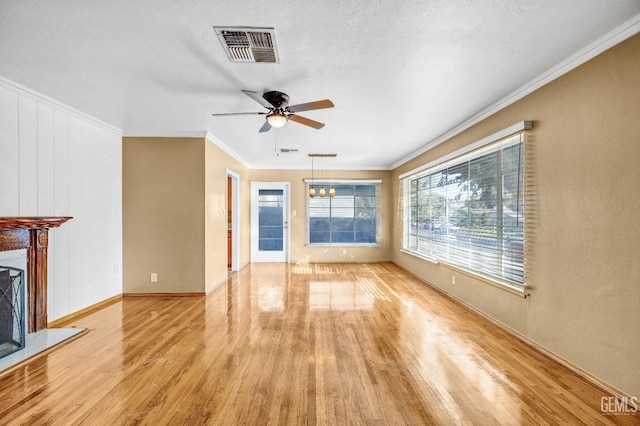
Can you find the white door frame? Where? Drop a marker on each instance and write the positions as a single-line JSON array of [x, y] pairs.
[[256, 255], [235, 220]]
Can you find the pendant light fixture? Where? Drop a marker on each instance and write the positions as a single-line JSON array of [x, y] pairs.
[[322, 192], [332, 190], [312, 190]]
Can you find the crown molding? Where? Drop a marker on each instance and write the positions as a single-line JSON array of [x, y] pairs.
[[612, 38], [198, 134], [177, 134], [338, 167], [21, 90], [217, 142]]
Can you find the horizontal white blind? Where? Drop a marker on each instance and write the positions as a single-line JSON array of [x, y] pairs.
[[350, 217], [469, 211]]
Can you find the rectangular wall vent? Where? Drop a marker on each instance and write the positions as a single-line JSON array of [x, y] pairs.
[[289, 150], [247, 44]]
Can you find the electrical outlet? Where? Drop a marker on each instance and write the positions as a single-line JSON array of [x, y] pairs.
[[453, 279], [344, 252], [154, 277]]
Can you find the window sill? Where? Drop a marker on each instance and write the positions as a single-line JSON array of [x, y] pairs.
[[488, 280], [428, 259], [341, 245], [518, 291]]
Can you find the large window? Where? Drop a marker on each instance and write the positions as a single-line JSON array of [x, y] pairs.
[[469, 211], [350, 217]]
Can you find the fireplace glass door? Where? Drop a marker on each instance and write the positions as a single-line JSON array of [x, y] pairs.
[[12, 331]]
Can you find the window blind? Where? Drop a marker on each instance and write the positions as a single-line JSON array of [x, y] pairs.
[[469, 211], [350, 217]]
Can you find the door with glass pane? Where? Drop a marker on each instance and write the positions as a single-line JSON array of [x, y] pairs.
[[269, 221]]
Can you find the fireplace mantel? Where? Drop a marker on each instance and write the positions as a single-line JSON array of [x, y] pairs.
[[35, 222], [32, 233]]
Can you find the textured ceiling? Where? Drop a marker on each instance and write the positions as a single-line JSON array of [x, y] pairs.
[[401, 73]]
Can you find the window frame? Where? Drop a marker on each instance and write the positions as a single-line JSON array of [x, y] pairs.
[[338, 182], [467, 154]]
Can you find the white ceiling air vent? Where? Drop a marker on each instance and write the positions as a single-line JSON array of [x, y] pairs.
[[247, 44]]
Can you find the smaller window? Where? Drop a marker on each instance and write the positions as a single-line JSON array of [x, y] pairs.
[[350, 217]]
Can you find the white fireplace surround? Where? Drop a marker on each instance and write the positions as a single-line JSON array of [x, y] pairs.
[[37, 342], [41, 338]]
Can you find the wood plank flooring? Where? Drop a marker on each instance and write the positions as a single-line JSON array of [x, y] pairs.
[[327, 344]]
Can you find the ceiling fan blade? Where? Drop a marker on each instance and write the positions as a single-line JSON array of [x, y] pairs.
[[240, 113], [326, 103], [258, 98], [265, 127], [306, 121]]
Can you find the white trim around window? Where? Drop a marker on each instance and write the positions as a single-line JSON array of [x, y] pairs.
[[518, 127], [350, 217], [347, 181], [466, 209]]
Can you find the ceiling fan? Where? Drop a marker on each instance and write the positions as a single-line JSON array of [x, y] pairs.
[[279, 110]]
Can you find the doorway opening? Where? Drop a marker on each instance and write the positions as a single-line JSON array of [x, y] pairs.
[[229, 221], [233, 221]]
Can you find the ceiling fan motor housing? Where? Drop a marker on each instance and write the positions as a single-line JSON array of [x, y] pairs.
[[279, 110], [277, 99]]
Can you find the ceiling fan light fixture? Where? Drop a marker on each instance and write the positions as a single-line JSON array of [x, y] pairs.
[[276, 119]]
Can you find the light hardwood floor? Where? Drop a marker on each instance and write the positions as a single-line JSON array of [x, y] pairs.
[[285, 344]]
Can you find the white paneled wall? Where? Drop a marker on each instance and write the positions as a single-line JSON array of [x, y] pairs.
[[55, 161]]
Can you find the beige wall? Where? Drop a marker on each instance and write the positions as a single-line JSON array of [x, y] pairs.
[[300, 251], [174, 214], [163, 214], [583, 233], [217, 162]]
